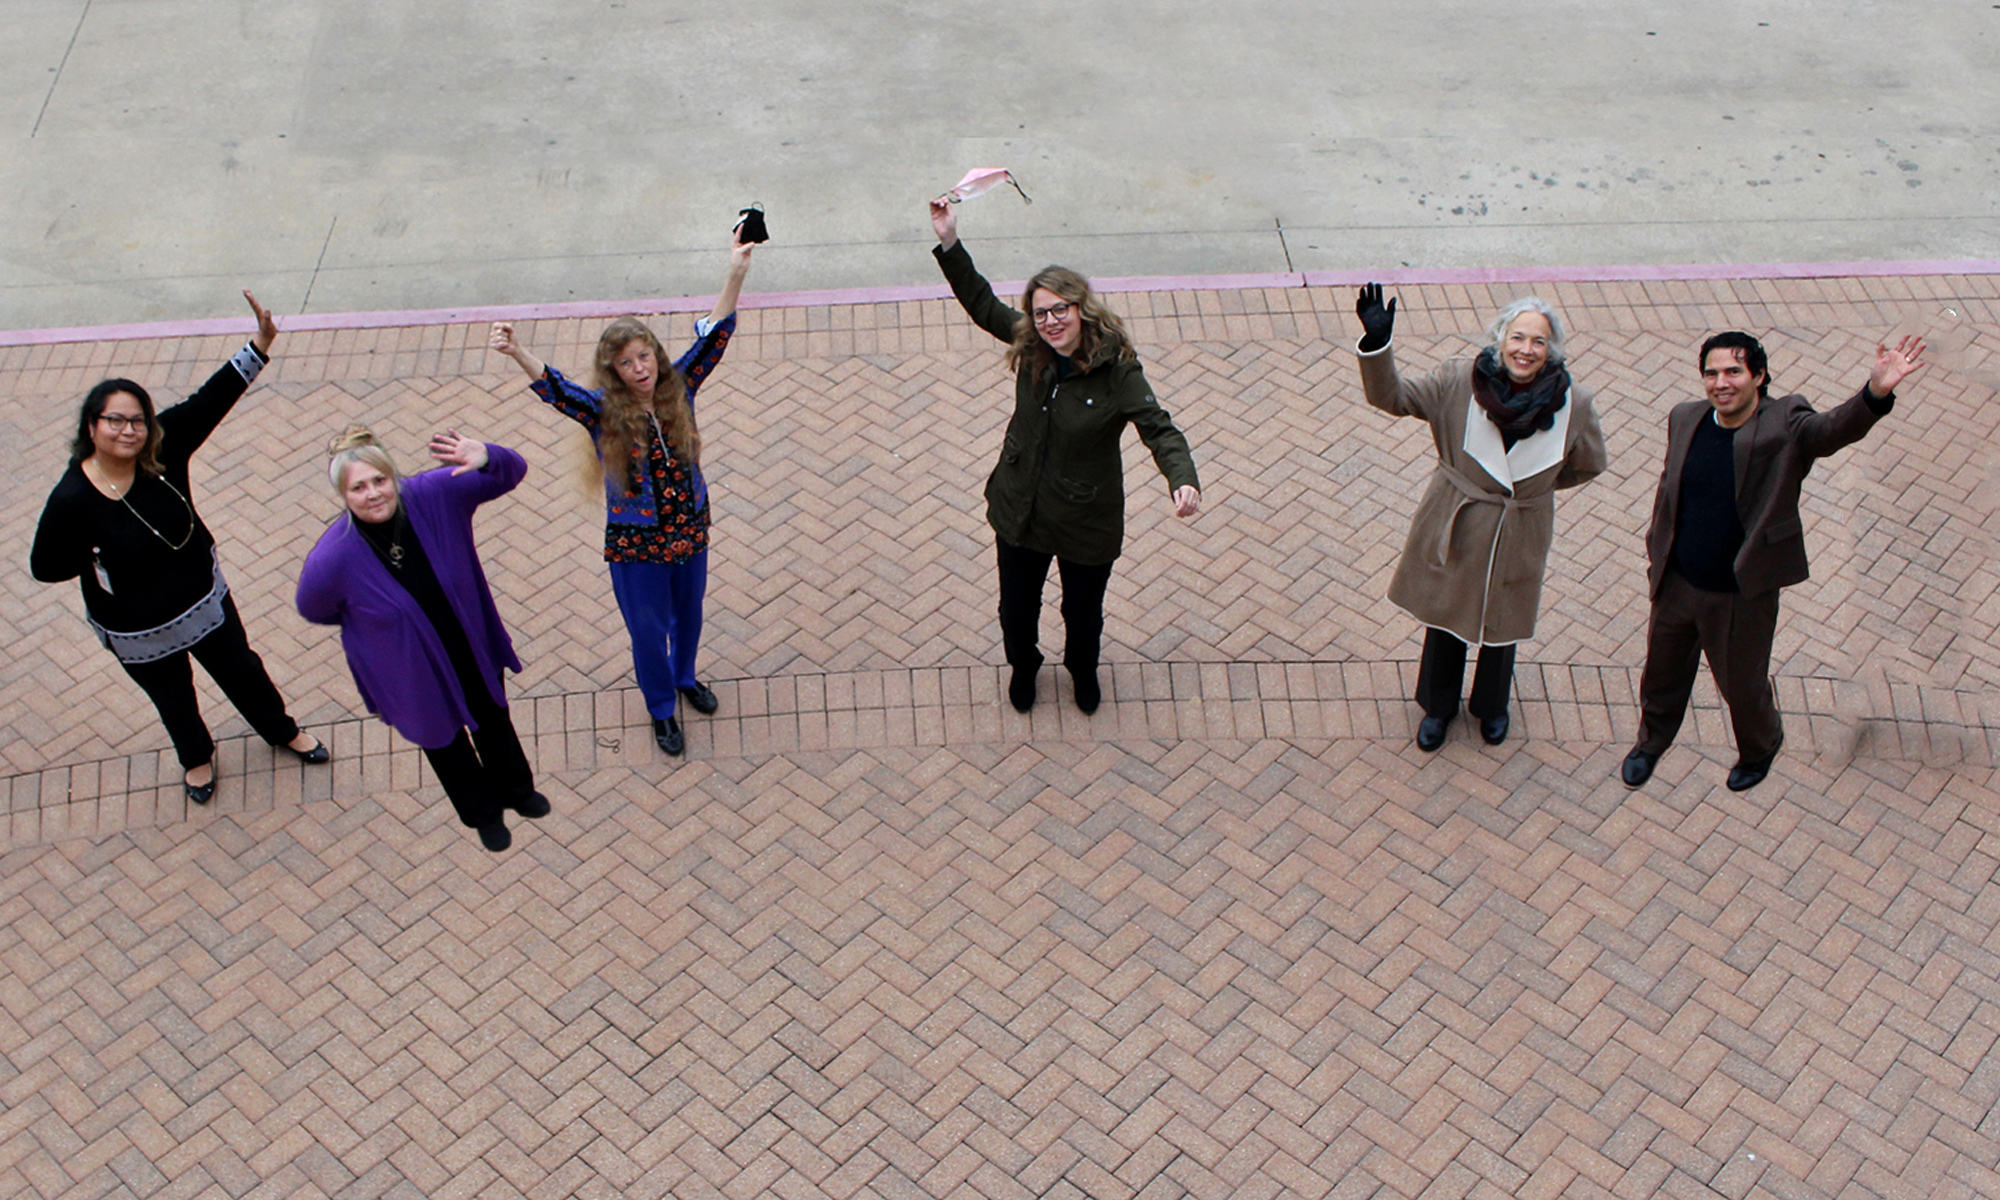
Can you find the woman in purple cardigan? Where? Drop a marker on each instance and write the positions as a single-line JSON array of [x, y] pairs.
[[399, 574]]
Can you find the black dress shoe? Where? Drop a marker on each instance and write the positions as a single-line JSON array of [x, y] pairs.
[[1088, 694], [1746, 775], [1430, 733], [701, 699], [317, 756], [200, 793], [1021, 689], [495, 836], [1494, 729], [1638, 768], [667, 735], [533, 806]]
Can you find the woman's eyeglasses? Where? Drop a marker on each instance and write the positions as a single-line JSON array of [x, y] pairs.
[[119, 423], [1054, 312]]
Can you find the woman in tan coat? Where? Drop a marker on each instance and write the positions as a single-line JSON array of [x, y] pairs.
[[1510, 428]]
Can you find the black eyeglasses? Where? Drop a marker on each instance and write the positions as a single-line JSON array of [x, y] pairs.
[[119, 422], [1054, 312]]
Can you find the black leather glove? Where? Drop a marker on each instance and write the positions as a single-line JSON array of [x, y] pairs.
[[1378, 321]]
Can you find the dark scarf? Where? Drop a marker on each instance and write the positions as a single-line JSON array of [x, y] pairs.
[[1523, 411]]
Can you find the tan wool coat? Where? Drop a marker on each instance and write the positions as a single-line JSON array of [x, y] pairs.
[[1479, 542]]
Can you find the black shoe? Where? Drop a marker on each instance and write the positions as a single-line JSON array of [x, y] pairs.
[[1430, 733], [1638, 768], [1494, 729], [201, 793], [701, 699], [317, 756], [1021, 689], [667, 735], [1746, 775], [1088, 694], [534, 806], [495, 836]]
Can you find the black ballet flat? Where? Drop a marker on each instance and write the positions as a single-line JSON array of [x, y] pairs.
[[317, 756], [200, 793]]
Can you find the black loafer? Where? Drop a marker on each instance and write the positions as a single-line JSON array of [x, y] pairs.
[[667, 735], [1494, 729], [1021, 689], [495, 836], [200, 793], [1638, 768], [317, 756], [1430, 733], [533, 806], [1088, 694], [701, 699]]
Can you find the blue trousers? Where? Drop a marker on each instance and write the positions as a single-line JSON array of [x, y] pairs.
[[662, 604]]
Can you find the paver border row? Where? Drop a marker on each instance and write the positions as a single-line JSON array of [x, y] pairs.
[[1309, 703]]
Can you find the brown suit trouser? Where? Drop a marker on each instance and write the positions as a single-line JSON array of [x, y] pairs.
[[1735, 631]]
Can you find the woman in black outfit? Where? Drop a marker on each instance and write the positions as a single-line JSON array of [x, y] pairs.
[[1058, 492], [122, 521]]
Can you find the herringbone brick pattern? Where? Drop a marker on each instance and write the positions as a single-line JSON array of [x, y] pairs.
[[1279, 968], [881, 936]]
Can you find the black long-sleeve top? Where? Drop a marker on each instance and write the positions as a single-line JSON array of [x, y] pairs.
[[151, 582]]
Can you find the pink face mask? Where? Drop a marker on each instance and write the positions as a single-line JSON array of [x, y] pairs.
[[981, 180]]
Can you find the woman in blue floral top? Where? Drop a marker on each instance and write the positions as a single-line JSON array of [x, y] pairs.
[[655, 499]]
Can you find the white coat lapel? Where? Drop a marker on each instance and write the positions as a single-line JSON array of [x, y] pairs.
[[1530, 456], [1542, 449], [1483, 444]]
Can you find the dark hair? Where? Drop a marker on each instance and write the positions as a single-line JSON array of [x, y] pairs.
[[1754, 359], [93, 408]]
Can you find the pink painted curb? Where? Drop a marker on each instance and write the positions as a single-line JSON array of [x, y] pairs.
[[605, 309]]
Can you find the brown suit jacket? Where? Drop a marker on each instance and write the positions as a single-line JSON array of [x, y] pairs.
[[1774, 451]]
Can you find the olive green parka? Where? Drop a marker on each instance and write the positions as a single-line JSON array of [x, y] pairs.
[[1059, 487]]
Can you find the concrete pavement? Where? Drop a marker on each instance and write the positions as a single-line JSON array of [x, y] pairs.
[[342, 155]]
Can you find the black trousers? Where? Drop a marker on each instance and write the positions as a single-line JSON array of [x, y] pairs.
[[485, 769], [227, 657], [1022, 576], [1442, 673], [1735, 632]]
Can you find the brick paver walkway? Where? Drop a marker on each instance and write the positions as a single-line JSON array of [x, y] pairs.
[[881, 936]]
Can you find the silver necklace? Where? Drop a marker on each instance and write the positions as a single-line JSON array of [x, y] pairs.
[[119, 493]]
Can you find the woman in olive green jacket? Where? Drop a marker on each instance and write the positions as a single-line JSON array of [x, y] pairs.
[[1058, 490]]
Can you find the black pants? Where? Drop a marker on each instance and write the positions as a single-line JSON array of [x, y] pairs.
[[1735, 632], [1022, 575], [227, 657], [1442, 673], [484, 770]]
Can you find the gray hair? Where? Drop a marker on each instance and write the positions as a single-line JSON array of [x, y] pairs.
[[1528, 304]]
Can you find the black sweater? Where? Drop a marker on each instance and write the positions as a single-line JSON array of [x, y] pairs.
[[151, 582]]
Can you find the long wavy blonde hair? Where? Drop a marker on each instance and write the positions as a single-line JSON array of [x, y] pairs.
[[1104, 337], [621, 422]]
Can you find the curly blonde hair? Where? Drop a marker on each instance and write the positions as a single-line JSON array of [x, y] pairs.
[[1104, 338], [622, 425]]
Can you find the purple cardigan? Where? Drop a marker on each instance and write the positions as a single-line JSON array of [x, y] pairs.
[[398, 660]]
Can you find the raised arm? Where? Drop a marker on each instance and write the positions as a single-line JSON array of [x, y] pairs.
[[502, 339], [974, 294], [732, 287], [1383, 385], [267, 326]]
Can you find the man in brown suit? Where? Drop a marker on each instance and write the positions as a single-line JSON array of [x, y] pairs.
[[1726, 536]]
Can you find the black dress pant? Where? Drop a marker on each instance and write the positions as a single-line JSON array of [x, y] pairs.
[[1022, 576], [1442, 673], [483, 770], [1735, 632], [227, 657]]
